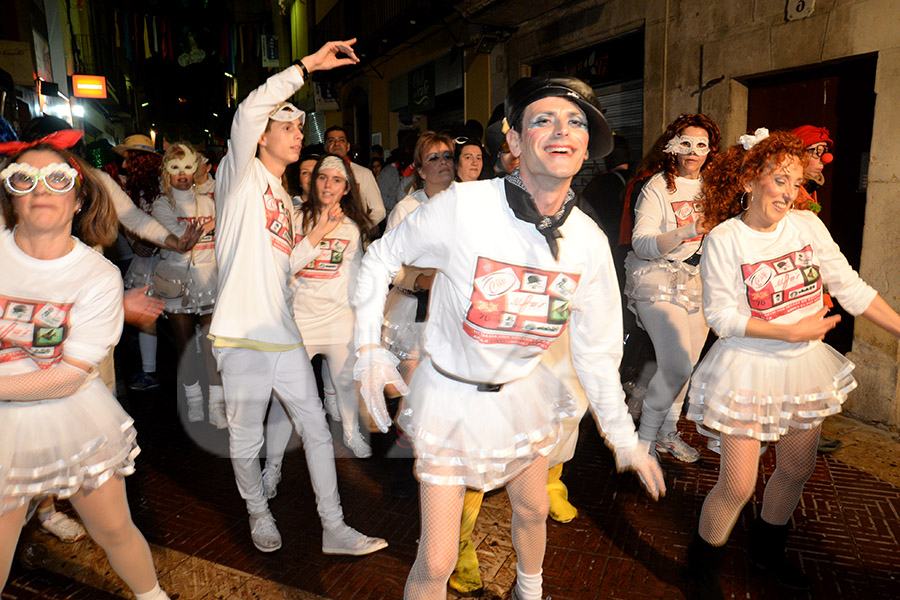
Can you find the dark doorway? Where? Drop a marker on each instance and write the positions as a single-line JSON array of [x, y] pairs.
[[841, 97]]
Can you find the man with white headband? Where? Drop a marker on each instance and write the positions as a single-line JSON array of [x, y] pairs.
[[481, 410], [258, 346]]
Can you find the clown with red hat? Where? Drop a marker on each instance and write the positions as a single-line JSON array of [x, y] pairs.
[[818, 143]]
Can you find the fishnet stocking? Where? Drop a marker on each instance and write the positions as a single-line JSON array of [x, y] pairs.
[[795, 461], [59, 381], [441, 508], [10, 527], [530, 505], [737, 480]]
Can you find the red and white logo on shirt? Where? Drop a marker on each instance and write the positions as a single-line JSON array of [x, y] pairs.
[[278, 222], [327, 264], [33, 329], [513, 304], [782, 285], [686, 212]]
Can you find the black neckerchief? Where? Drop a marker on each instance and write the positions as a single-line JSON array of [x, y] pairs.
[[523, 206]]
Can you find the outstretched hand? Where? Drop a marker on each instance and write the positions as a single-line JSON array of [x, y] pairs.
[[326, 57], [374, 369], [813, 327], [647, 470], [192, 234], [142, 310]]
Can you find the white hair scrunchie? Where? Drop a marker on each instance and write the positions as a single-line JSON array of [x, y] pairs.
[[335, 163], [748, 141]]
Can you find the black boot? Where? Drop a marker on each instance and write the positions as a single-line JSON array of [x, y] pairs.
[[705, 569], [767, 544]]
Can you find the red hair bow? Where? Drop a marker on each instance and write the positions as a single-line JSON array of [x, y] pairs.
[[61, 140]]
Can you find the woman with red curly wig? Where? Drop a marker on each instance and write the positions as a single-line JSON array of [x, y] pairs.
[[769, 377], [662, 279]]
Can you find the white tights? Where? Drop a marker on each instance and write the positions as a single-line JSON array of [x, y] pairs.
[[795, 460], [106, 517], [441, 510], [678, 338]]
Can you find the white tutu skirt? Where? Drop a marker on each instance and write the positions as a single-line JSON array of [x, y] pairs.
[[752, 394], [200, 298], [481, 439], [660, 280], [400, 334], [54, 447], [140, 272]]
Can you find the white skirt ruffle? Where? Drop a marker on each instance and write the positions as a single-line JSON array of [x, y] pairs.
[[400, 334], [752, 394], [660, 280], [481, 439], [55, 447], [140, 272]]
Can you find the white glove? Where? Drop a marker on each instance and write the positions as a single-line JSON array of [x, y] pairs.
[[375, 369], [645, 467]]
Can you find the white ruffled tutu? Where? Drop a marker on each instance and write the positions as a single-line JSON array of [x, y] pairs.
[[400, 334], [759, 395], [481, 439], [140, 272], [660, 280], [55, 447]]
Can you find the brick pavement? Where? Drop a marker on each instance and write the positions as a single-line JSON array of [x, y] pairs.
[[622, 545]]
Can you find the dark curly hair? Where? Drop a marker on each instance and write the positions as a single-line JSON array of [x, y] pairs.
[[95, 223], [351, 204], [143, 178], [658, 160], [723, 184]]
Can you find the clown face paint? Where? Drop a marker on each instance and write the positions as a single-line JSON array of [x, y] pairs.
[[688, 144]]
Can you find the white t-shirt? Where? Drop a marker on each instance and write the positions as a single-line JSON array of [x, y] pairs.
[[254, 232], [499, 298], [658, 212], [776, 276], [69, 306], [323, 286]]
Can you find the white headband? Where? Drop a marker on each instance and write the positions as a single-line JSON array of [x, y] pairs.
[[335, 163]]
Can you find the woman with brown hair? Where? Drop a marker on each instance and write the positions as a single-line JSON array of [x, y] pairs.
[[662, 279], [769, 377], [63, 303]]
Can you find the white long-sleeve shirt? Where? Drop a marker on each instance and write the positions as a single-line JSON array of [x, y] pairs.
[[369, 192], [406, 277], [133, 218], [775, 276], [499, 298], [324, 285], [254, 232], [664, 222]]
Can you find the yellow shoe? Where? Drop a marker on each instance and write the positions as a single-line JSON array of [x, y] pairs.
[[466, 579], [561, 509]]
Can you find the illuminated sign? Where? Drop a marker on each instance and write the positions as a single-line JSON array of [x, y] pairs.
[[89, 86]]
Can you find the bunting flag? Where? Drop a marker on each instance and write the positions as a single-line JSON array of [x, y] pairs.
[[147, 53], [116, 25], [127, 37], [162, 34], [136, 37], [241, 38], [155, 39]]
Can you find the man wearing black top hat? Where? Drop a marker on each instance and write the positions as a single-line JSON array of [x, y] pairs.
[[517, 264]]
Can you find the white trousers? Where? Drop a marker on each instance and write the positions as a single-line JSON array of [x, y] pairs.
[[340, 360], [250, 377]]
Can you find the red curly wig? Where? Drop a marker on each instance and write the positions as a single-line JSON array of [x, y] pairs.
[[143, 178], [723, 184], [658, 160]]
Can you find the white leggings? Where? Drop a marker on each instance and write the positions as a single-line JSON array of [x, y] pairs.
[[678, 337], [249, 378], [340, 359]]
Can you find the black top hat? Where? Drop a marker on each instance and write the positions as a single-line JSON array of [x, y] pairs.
[[531, 89]]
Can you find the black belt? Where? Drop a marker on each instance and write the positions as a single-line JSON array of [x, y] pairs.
[[481, 387]]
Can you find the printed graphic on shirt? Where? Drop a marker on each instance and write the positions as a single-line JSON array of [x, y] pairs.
[[278, 222], [686, 212], [32, 329], [208, 241], [782, 285], [327, 264], [512, 304]]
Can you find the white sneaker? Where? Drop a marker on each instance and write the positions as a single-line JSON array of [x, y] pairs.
[[63, 527], [331, 406], [217, 416], [264, 533], [358, 445], [674, 445], [271, 477], [346, 540]]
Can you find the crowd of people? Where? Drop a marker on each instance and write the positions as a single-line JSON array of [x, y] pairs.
[[460, 289]]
